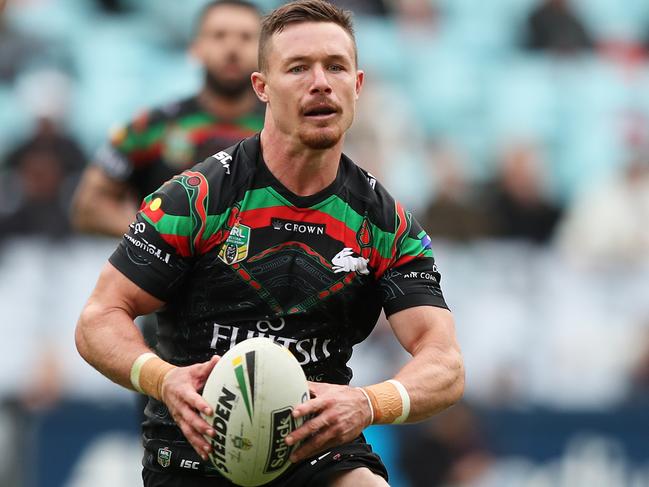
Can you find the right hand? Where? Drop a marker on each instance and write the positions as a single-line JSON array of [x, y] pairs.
[[180, 394]]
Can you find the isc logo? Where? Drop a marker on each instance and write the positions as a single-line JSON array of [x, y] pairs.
[[189, 464]]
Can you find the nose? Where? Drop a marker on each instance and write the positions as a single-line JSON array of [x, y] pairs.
[[320, 82]]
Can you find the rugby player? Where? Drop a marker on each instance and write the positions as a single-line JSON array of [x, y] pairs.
[[160, 143], [280, 235]]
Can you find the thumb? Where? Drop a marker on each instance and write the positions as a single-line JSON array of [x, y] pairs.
[[205, 368], [314, 388]]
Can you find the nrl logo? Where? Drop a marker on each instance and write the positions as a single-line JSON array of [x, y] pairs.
[[241, 443], [235, 248], [164, 457]]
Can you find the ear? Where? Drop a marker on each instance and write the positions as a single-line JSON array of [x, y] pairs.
[[360, 78], [259, 85]]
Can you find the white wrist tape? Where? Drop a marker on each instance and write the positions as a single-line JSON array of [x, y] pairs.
[[369, 402], [405, 401], [136, 369]]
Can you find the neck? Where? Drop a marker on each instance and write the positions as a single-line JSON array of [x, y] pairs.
[[302, 170], [226, 107]]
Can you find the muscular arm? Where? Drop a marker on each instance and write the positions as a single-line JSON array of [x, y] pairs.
[[106, 336], [102, 204], [434, 377], [107, 339]]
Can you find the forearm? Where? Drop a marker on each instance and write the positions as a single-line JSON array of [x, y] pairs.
[[103, 216], [109, 340], [433, 379], [102, 204]]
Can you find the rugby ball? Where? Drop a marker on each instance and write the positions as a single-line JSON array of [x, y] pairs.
[[252, 390]]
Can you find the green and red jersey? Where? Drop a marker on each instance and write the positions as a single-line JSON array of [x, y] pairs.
[[163, 142], [234, 254], [227, 246]]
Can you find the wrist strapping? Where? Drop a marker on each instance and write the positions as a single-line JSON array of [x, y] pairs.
[[369, 402], [390, 402], [147, 374]]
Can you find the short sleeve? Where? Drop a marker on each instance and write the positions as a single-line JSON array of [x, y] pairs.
[[129, 146], [412, 279], [154, 253], [175, 224], [113, 162]]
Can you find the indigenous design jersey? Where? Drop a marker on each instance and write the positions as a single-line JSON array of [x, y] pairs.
[[235, 255], [159, 144]]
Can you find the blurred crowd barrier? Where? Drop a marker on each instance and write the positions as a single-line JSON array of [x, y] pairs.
[[556, 358], [535, 329]]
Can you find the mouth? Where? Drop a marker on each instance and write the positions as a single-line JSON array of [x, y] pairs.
[[232, 68], [321, 111]]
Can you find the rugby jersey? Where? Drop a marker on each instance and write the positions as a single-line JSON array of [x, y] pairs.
[[234, 255], [160, 143]]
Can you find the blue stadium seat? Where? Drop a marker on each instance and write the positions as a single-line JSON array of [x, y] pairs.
[[380, 48], [608, 19]]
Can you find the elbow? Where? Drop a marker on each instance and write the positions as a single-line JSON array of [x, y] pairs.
[[82, 330], [456, 380], [457, 387], [79, 337], [78, 213]]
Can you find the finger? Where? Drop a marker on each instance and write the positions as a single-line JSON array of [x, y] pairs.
[[309, 428], [310, 407], [197, 422], [314, 388], [185, 415], [198, 443], [199, 403], [205, 368]]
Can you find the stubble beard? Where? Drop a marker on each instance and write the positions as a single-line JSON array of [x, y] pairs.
[[321, 138], [230, 89]]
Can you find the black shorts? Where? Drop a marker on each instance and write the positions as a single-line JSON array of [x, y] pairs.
[[313, 472]]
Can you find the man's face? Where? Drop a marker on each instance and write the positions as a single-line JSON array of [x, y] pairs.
[[226, 45], [311, 83]]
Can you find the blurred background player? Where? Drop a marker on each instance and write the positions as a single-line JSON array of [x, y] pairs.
[[162, 142]]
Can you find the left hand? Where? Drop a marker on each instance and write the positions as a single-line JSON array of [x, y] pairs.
[[340, 414]]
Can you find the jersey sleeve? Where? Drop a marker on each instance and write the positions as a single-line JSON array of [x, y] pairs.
[[412, 278], [152, 253], [126, 145], [175, 225]]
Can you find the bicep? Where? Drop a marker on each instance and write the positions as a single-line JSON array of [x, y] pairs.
[[114, 291], [424, 325]]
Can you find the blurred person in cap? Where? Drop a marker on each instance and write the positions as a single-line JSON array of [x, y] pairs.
[[40, 172], [162, 142], [518, 199], [555, 26], [606, 223]]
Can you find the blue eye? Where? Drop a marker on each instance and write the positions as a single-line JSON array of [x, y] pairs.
[[296, 69], [336, 67]]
